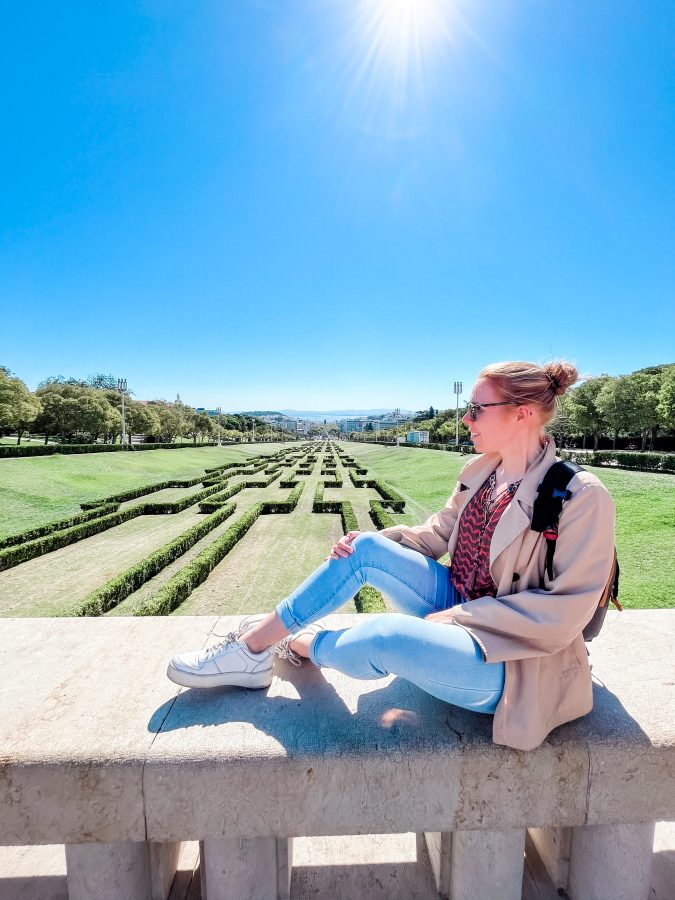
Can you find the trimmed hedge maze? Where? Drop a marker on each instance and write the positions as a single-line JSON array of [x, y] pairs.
[[241, 491]]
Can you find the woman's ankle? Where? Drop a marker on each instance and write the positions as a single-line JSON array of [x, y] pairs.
[[264, 634]]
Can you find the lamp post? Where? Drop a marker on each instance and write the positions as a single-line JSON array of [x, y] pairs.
[[218, 410], [122, 388], [457, 388]]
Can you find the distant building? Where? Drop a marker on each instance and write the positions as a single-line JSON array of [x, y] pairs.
[[347, 425], [417, 437]]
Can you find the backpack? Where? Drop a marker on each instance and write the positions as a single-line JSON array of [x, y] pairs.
[[551, 494]]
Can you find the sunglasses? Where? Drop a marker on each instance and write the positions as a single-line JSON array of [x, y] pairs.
[[473, 410]]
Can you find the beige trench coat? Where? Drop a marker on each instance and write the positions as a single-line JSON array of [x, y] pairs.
[[536, 632]]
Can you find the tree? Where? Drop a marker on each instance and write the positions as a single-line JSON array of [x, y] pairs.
[[205, 425], [140, 418], [18, 407], [99, 381], [627, 404], [169, 420], [92, 415], [666, 401], [583, 411]]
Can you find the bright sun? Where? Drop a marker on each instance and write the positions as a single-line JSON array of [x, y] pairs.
[[392, 52], [405, 29]]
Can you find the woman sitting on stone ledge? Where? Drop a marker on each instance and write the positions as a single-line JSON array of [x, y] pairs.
[[490, 633]]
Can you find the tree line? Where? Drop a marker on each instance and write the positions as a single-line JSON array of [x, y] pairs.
[[637, 409], [90, 410]]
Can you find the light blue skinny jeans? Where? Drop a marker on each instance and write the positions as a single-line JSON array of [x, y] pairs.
[[440, 658]]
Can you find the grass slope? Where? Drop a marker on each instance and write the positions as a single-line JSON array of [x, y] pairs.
[[36, 491]]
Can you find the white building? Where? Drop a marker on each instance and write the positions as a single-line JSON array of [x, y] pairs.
[[417, 437]]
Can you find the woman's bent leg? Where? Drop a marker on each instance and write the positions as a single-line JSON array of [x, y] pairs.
[[417, 584], [441, 659]]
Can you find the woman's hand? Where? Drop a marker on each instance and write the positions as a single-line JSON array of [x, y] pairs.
[[444, 617], [343, 547]]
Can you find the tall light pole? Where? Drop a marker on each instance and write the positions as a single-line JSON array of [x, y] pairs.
[[218, 410], [457, 388], [122, 388]]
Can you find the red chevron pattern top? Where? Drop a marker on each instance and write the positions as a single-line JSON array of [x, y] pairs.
[[471, 559]]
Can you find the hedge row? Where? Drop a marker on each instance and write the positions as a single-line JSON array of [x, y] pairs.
[[381, 518], [283, 506], [179, 588], [392, 497], [141, 491], [288, 480], [263, 482], [8, 451], [623, 459], [220, 499], [349, 522], [12, 556], [34, 533], [169, 507], [119, 588], [51, 449], [369, 600]]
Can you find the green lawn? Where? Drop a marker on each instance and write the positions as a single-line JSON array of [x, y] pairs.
[[34, 491], [645, 512], [280, 550]]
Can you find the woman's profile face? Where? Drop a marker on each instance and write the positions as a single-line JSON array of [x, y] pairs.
[[495, 426]]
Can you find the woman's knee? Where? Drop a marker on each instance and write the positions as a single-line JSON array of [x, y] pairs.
[[369, 547], [384, 628]]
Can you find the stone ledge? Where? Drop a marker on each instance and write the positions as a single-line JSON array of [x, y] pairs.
[[99, 746]]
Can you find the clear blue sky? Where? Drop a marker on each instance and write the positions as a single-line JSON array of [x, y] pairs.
[[334, 203]]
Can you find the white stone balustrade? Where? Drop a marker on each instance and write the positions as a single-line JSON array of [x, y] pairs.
[[98, 750]]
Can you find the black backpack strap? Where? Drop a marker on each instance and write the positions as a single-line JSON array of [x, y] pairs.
[[551, 494]]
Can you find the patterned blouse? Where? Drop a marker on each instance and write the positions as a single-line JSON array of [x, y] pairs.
[[470, 571]]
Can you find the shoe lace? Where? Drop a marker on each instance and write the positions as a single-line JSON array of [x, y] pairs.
[[283, 651], [230, 638]]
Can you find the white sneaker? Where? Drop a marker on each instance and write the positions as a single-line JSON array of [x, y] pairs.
[[228, 663], [283, 650]]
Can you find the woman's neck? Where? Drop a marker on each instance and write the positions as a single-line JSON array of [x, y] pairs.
[[518, 457]]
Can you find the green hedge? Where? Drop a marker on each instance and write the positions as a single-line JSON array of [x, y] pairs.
[[369, 600], [133, 493], [318, 496], [349, 522], [12, 556], [216, 501], [283, 506], [623, 459], [8, 451], [43, 530], [64, 449], [169, 507], [393, 498], [380, 516], [288, 480], [119, 588], [263, 482], [179, 588]]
